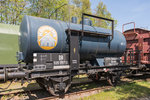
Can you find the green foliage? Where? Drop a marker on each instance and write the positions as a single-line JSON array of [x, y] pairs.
[[48, 8], [102, 11], [12, 11], [128, 91], [79, 7], [85, 6]]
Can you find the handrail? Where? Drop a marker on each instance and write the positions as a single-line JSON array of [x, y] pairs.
[[84, 14], [128, 24], [89, 33]]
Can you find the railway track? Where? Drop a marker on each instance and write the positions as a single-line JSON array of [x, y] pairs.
[[83, 93], [38, 89], [71, 95], [19, 92], [78, 95]]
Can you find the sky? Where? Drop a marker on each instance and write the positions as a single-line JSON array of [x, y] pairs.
[[125, 11]]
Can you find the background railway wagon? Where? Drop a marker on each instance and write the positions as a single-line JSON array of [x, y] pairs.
[[138, 46], [8, 43]]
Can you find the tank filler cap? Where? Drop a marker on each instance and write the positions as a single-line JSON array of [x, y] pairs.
[[87, 21], [74, 20]]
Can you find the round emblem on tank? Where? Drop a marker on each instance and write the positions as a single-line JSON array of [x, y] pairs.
[[47, 37]]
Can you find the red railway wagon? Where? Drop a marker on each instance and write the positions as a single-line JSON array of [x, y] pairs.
[[138, 46]]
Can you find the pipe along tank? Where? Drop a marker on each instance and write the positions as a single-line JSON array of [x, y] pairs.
[[39, 35]]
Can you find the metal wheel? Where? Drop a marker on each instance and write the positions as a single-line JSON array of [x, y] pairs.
[[113, 80], [52, 86], [94, 77], [51, 89], [41, 83]]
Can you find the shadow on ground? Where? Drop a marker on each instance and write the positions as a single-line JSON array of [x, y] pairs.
[[132, 90], [128, 89], [74, 88]]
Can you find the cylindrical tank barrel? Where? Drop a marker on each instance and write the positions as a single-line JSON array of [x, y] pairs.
[[39, 35]]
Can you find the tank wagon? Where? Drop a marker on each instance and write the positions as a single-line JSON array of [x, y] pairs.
[[55, 51]]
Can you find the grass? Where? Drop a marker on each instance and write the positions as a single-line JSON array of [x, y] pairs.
[[8, 48], [127, 91]]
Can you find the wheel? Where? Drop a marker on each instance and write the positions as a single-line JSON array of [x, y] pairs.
[[53, 87], [94, 77], [41, 83], [112, 80], [47, 85]]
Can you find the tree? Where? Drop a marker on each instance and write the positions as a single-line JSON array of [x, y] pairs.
[[4, 11], [12, 11], [79, 7], [86, 6], [1, 10], [103, 12], [48, 8], [18, 9]]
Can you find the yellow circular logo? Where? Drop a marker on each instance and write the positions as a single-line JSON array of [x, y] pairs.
[[47, 37]]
